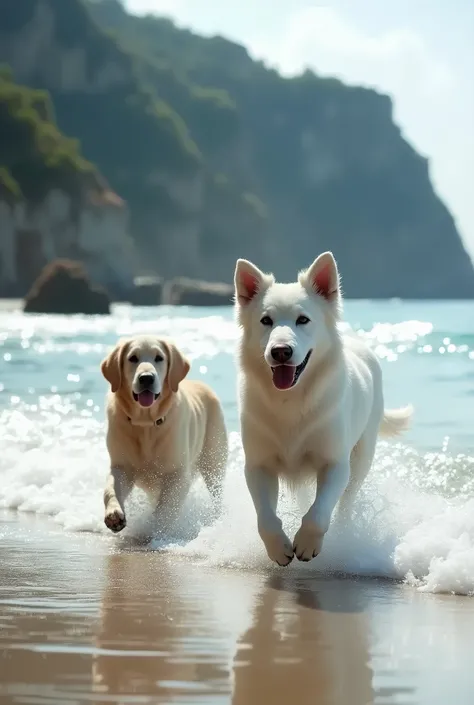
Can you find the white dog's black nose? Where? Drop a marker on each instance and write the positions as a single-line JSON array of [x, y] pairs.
[[282, 353], [146, 379]]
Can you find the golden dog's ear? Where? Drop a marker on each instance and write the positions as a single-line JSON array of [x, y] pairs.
[[178, 366], [111, 367]]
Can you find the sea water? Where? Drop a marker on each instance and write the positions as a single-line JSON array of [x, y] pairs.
[[414, 517]]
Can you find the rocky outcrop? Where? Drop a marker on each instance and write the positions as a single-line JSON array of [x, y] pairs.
[[95, 232], [53, 203], [64, 287], [192, 292]]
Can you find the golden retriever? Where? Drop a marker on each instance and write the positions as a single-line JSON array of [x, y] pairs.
[[162, 429]]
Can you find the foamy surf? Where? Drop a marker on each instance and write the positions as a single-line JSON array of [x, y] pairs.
[[407, 525]]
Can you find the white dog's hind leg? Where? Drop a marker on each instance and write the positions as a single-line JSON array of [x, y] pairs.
[[361, 461], [263, 488], [332, 481]]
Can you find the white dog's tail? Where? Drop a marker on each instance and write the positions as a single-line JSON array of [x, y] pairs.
[[395, 421]]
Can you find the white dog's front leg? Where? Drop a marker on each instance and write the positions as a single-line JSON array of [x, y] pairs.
[[263, 488], [332, 482]]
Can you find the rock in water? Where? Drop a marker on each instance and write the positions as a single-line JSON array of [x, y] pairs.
[[64, 287], [194, 292], [147, 291]]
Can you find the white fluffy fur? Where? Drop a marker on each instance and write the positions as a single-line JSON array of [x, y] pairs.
[[325, 427]]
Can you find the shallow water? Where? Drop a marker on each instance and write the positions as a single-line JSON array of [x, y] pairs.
[[203, 611]]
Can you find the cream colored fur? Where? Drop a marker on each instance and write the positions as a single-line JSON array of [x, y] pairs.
[[324, 428], [161, 459]]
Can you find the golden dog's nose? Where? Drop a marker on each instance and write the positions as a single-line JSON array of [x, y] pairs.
[[146, 379]]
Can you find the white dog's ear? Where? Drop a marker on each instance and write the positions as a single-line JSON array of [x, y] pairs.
[[178, 366], [248, 280], [323, 277], [111, 367]]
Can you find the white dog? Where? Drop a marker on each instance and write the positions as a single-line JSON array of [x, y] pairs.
[[311, 400]]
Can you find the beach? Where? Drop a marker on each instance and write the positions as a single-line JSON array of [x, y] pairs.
[[82, 622], [383, 615]]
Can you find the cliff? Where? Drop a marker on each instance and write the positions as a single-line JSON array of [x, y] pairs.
[[218, 156], [178, 205], [53, 203]]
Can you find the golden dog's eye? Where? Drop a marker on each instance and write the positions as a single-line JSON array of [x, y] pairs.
[[133, 359], [302, 320], [158, 358], [266, 321]]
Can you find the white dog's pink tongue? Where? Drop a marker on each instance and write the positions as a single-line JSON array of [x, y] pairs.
[[283, 376], [146, 398]]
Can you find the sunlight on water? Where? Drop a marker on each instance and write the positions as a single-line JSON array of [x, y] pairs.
[[415, 515]]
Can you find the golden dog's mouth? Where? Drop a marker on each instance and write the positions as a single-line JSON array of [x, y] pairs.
[[286, 376], [145, 398]]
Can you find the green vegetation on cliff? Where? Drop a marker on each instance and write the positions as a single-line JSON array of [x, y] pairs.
[[219, 156], [35, 156]]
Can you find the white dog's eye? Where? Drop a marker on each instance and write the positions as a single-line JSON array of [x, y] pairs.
[[133, 359], [266, 321], [158, 358], [302, 320]]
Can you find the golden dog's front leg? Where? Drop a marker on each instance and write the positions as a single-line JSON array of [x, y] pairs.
[[117, 488], [332, 481], [263, 488]]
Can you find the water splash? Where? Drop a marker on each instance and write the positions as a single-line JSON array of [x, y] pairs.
[[399, 529]]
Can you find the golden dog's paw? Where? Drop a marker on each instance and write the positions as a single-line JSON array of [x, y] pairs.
[[278, 547], [308, 542], [115, 520]]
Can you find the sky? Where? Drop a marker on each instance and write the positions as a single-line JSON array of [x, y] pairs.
[[420, 52]]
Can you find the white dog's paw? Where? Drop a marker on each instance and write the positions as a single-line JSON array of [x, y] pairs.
[[279, 547], [308, 541], [115, 520]]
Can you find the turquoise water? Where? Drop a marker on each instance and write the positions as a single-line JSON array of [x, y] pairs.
[[53, 457], [426, 349]]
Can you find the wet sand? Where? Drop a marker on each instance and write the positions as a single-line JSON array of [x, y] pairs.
[[82, 621]]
